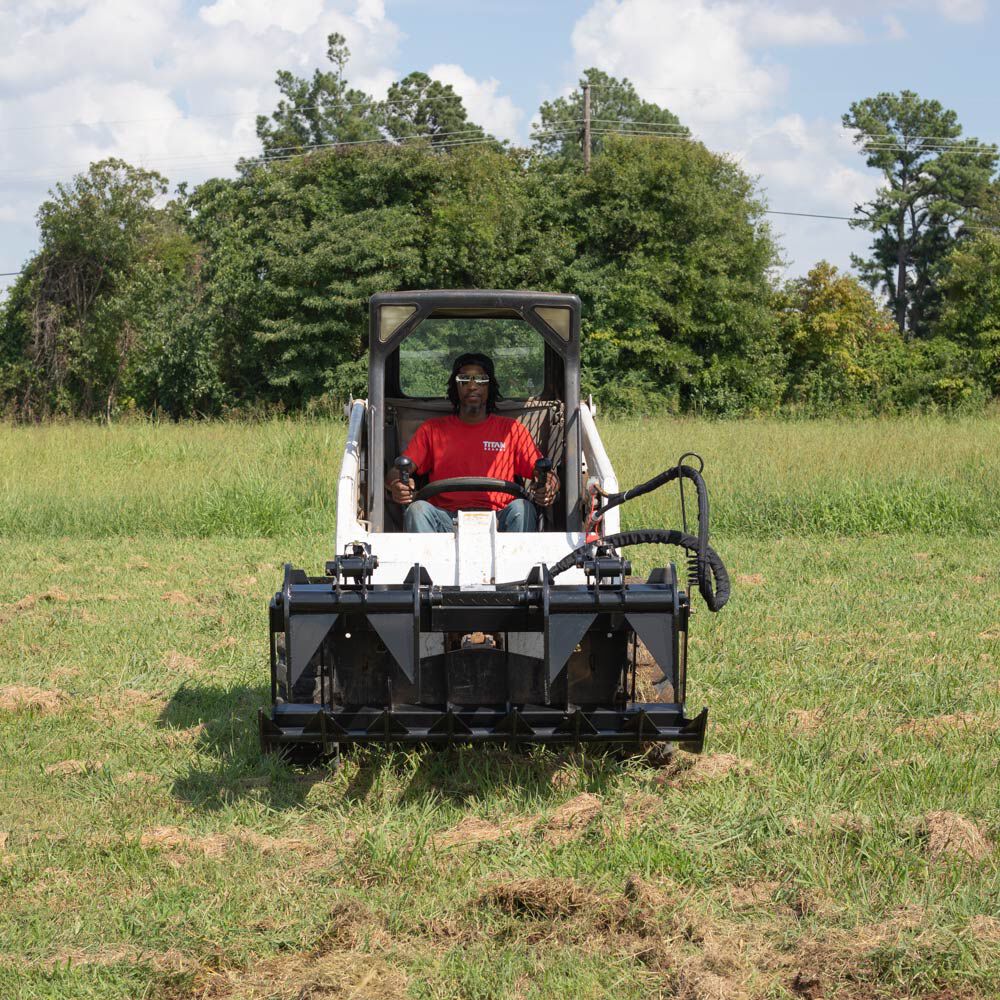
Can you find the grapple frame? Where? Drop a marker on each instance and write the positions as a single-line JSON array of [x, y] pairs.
[[360, 648]]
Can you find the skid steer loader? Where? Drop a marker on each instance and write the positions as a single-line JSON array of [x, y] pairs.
[[475, 635]]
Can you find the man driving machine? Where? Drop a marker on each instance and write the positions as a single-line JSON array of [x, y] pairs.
[[474, 441]]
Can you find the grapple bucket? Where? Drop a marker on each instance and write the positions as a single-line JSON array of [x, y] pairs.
[[358, 663]]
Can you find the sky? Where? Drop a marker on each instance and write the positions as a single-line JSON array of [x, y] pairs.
[[175, 85]]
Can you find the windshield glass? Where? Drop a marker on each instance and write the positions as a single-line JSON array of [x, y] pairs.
[[517, 350]]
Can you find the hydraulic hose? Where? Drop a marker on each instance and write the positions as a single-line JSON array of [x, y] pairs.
[[715, 596]]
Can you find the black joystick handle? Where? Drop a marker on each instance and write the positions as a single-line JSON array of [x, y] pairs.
[[541, 475], [405, 466]]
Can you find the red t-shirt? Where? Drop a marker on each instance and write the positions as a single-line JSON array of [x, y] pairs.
[[499, 448]]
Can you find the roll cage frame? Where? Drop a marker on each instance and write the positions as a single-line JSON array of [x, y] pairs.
[[561, 376]]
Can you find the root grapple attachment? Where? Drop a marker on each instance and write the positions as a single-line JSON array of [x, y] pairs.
[[528, 662]]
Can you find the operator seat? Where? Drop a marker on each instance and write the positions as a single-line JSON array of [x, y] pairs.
[[545, 420]]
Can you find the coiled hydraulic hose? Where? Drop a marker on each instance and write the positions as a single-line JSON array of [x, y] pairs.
[[715, 597], [709, 566]]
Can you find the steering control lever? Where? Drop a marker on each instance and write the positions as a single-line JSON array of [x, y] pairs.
[[541, 474], [405, 467]]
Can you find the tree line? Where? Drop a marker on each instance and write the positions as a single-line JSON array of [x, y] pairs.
[[249, 294]]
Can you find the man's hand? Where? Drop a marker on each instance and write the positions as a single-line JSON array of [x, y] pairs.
[[401, 490], [546, 497]]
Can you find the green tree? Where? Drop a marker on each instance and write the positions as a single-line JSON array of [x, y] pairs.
[[418, 106], [322, 111], [615, 107], [95, 237], [970, 315], [842, 348], [934, 179], [671, 259]]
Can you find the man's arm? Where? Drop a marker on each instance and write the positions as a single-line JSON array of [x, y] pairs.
[[401, 491], [528, 454], [419, 452], [546, 497]]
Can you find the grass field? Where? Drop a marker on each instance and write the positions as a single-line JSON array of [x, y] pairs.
[[839, 838]]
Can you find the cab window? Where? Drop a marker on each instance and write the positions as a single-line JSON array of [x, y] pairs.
[[517, 350]]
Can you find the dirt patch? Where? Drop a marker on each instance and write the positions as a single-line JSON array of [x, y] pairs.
[[323, 975], [699, 983], [173, 840], [750, 579], [753, 895], [804, 721], [938, 724], [138, 778], [54, 595], [228, 643], [479, 831], [985, 928], [538, 897], [572, 818], [66, 768], [23, 698], [688, 769], [176, 597], [174, 738], [639, 809], [991, 634], [952, 835], [116, 705], [177, 662], [244, 584]]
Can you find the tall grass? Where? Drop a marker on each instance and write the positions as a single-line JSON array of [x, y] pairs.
[[767, 477], [856, 477]]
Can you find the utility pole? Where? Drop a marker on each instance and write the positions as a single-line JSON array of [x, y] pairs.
[[586, 127]]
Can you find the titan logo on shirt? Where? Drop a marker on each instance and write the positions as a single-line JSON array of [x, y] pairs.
[[494, 446]]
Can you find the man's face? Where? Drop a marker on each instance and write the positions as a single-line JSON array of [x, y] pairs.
[[472, 395]]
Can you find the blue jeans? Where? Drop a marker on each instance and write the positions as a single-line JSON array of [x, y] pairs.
[[518, 515]]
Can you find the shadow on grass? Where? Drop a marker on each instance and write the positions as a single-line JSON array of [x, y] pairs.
[[220, 725], [461, 774]]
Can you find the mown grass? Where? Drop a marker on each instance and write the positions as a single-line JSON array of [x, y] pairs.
[[854, 682]]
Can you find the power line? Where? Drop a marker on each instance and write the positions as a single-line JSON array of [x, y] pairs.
[[189, 159], [854, 218], [812, 215], [371, 103]]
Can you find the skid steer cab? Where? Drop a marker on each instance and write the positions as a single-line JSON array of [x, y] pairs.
[[470, 633]]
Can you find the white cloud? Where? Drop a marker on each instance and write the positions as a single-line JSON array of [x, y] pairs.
[[967, 11], [784, 27], [257, 16], [162, 84], [693, 52], [496, 113]]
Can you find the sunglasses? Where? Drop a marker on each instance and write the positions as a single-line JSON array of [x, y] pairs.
[[478, 379]]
